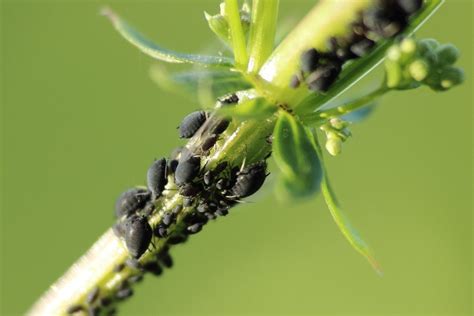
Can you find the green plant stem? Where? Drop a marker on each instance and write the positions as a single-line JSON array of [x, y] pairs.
[[237, 34], [245, 140], [262, 32], [321, 115]]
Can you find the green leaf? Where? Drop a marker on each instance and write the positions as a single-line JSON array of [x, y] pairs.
[[342, 221], [256, 108], [218, 24], [237, 34], [205, 85], [295, 155], [158, 52], [262, 32]]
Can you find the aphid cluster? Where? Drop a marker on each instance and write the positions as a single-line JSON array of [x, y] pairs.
[[320, 69], [206, 193]]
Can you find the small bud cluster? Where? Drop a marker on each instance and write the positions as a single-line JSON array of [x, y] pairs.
[[387, 18], [410, 64], [337, 132], [219, 25], [206, 193]]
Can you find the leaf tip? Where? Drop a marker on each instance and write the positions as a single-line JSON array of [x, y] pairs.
[[207, 16], [108, 13]]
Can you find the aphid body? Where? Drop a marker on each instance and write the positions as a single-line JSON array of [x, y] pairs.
[[191, 123], [187, 169], [157, 177], [249, 180], [137, 235], [131, 201]]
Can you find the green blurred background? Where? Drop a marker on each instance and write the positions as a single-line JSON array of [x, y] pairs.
[[81, 121]]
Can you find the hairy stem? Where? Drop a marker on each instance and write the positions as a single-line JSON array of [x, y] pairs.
[[242, 141]]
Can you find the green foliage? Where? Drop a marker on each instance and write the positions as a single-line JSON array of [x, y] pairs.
[[220, 26], [202, 85], [345, 226], [295, 154], [160, 53]]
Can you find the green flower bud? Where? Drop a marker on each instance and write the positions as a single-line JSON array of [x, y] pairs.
[[418, 70], [447, 54], [337, 123], [393, 73], [427, 44], [451, 76], [218, 24], [408, 46], [394, 53], [334, 146]]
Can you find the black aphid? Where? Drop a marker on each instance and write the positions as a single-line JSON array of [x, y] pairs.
[[362, 47], [210, 216], [165, 258], [118, 268], [209, 142], [220, 167], [177, 239], [153, 267], [310, 60], [105, 301], [94, 311], [194, 228], [385, 22], [190, 189], [133, 264], [135, 278], [137, 235], [230, 99], [295, 81], [208, 177], [410, 6], [177, 209], [221, 126], [157, 177], [92, 296], [191, 123], [74, 309], [161, 231], [124, 293], [187, 169], [202, 207], [131, 201], [321, 79], [222, 184], [188, 201], [168, 218], [249, 180], [222, 212]]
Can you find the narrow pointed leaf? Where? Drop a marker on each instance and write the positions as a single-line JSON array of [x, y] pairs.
[[342, 221], [205, 86], [158, 52], [296, 157]]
